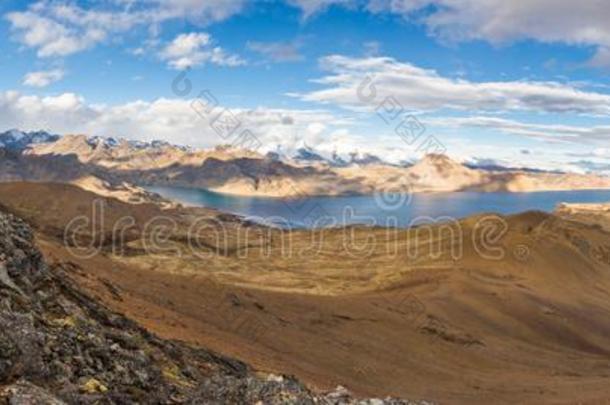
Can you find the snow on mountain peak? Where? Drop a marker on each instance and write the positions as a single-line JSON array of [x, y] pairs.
[[15, 139]]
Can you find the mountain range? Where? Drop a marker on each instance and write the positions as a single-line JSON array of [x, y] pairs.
[[19, 140], [119, 167], [407, 320]]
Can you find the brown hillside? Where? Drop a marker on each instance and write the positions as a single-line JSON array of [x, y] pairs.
[[530, 326]]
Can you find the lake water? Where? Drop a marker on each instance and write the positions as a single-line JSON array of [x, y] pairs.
[[381, 210]]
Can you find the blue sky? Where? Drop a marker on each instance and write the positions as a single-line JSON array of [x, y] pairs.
[[521, 84]]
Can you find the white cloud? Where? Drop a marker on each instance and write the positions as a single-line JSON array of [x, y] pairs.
[[63, 28], [312, 7], [597, 153], [59, 29], [43, 78], [596, 134], [351, 82], [583, 22], [195, 49], [202, 12], [173, 120]]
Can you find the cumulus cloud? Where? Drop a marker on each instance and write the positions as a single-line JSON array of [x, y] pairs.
[[61, 28], [583, 22], [173, 120], [195, 49], [359, 83], [43, 78], [58, 28]]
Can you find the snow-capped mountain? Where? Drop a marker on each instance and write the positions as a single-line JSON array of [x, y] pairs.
[[366, 159], [100, 141], [41, 156], [338, 161], [496, 166], [111, 142], [19, 140], [307, 154]]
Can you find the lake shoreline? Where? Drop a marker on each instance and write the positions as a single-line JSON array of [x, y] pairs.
[[389, 210]]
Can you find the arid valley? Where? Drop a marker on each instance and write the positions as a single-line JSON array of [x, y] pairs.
[[493, 308], [304, 202]]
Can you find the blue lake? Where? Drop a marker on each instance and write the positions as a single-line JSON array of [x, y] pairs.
[[388, 210]]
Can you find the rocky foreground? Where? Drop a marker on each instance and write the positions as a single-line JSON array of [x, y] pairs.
[[57, 346], [493, 309]]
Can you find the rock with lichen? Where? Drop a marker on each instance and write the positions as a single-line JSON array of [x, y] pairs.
[[58, 345]]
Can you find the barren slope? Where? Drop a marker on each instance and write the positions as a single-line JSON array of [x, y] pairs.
[[531, 326], [60, 346]]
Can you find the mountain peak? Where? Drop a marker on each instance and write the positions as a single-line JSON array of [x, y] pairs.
[[308, 154], [366, 159], [440, 162], [438, 168], [437, 157], [15, 139]]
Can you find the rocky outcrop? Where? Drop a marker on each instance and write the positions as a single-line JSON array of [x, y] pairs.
[[57, 345], [597, 215]]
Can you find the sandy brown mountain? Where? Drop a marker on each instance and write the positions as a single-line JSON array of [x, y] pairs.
[[243, 172], [527, 326]]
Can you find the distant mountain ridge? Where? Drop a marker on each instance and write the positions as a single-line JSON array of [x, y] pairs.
[[495, 167], [308, 155], [19, 140], [122, 164], [15, 139]]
